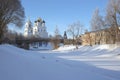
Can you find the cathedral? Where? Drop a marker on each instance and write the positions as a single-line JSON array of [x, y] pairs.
[[37, 30]]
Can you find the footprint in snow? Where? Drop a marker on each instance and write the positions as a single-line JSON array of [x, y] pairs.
[[57, 60], [43, 57]]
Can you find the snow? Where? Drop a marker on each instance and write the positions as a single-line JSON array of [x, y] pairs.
[[65, 63]]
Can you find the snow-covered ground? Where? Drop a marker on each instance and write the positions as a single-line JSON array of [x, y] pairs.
[[65, 63]]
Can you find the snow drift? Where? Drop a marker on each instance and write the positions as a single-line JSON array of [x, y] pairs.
[[85, 63]]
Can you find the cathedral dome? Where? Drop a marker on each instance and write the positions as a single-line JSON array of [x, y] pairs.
[[43, 21], [39, 19]]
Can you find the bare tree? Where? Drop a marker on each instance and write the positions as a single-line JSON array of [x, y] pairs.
[[75, 30], [97, 22], [87, 38], [11, 11], [9, 36], [99, 36], [56, 32], [56, 40], [113, 18]]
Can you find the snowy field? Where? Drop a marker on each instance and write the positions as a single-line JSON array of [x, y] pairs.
[[66, 63]]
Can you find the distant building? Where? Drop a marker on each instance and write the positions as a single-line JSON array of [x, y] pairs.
[[65, 35], [104, 36], [38, 30]]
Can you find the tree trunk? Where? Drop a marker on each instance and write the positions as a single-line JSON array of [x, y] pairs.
[[1, 36]]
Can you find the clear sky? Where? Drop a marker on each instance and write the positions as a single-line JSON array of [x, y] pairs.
[[62, 12]]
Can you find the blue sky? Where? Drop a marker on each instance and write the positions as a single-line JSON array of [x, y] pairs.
[[62, 12]]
